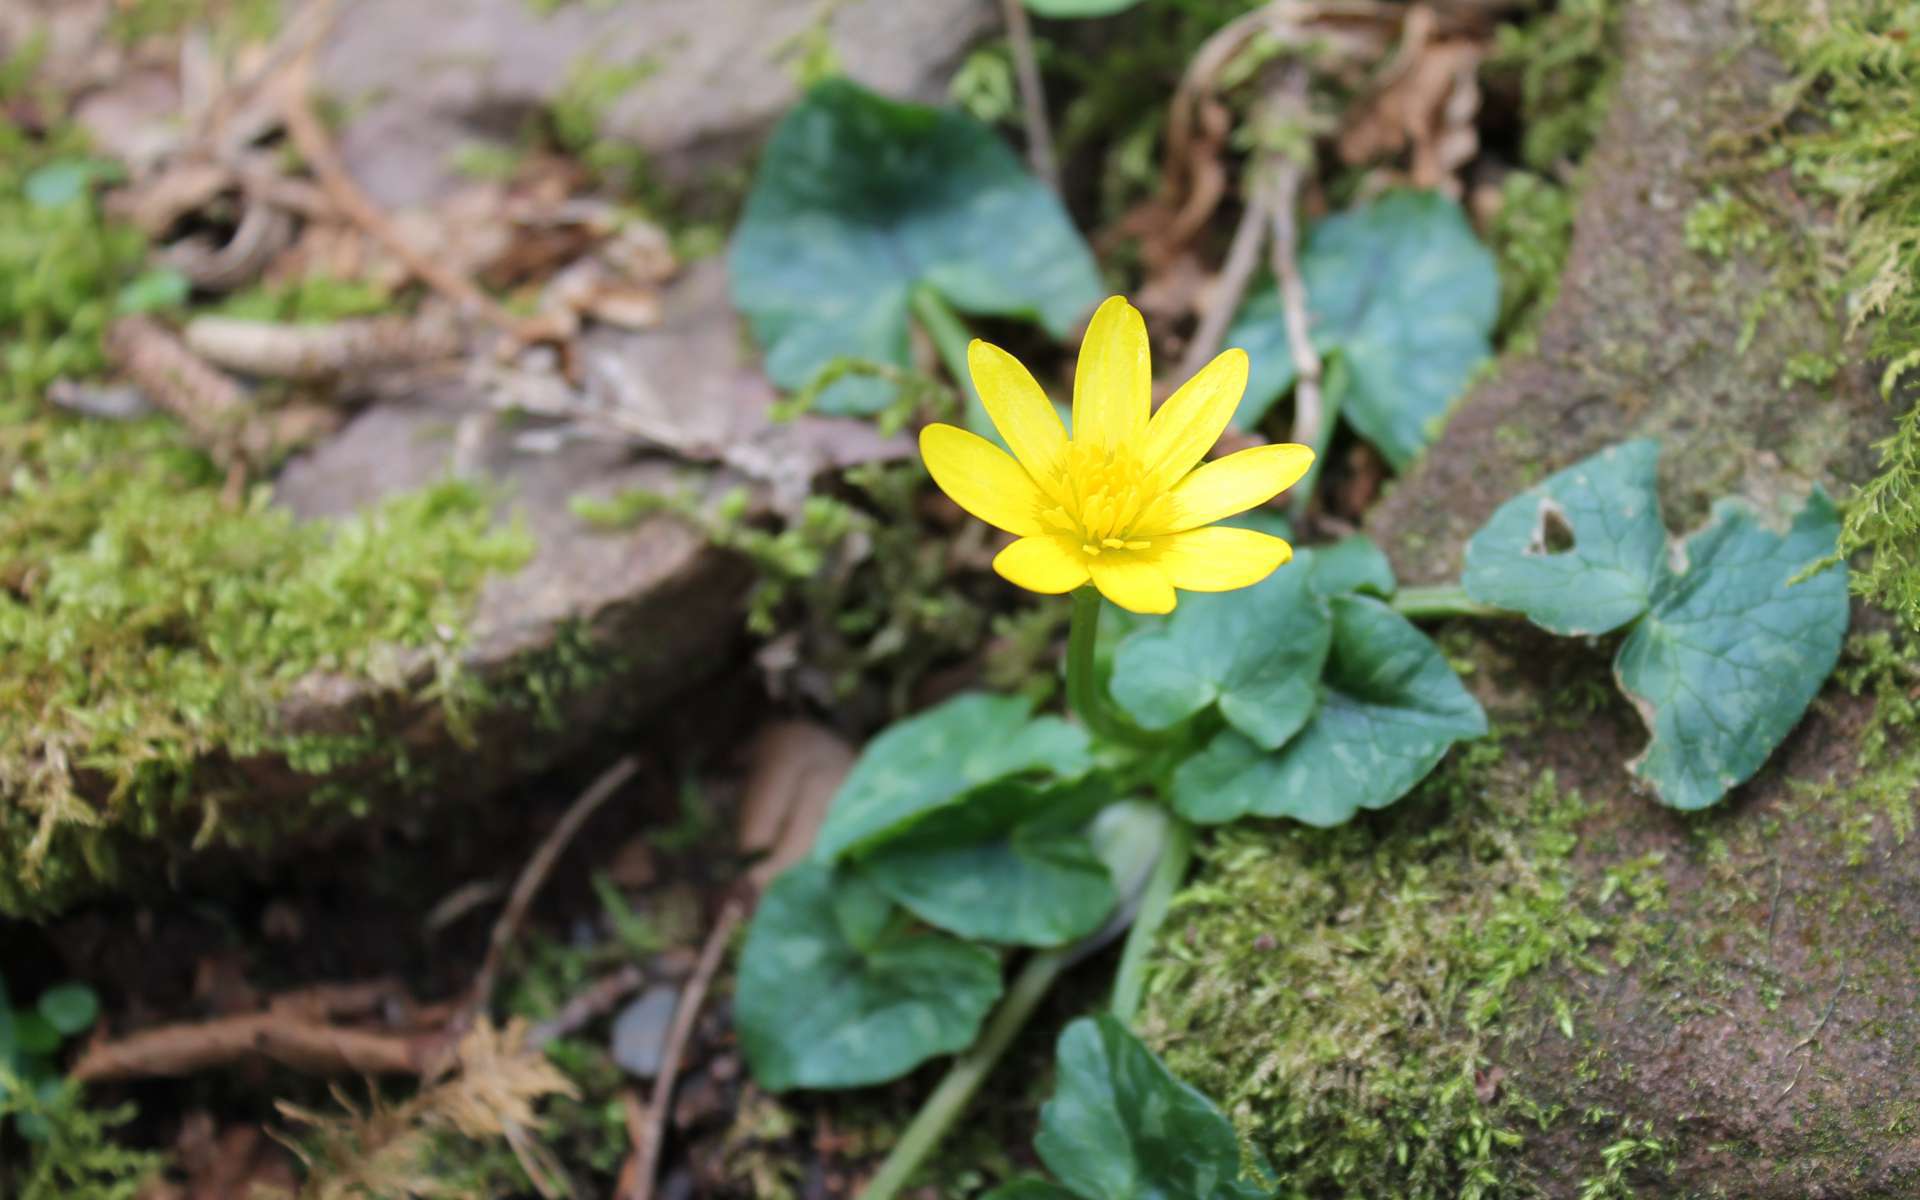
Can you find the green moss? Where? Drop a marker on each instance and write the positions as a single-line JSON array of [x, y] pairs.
[[1339, 991], [315, 299], [1530, 237], [150, 622], [1566, 59], [1857, 66], [77, 1158]]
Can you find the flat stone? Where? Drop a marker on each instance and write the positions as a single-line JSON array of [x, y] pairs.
[[423, 77], [640, 1031]]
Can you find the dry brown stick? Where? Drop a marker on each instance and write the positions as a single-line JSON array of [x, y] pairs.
[[1223, 298], [646, 1148], [1284, 248], [1033, 96], [282, 1037], [592, 1001], [534, 875], [310, 137]]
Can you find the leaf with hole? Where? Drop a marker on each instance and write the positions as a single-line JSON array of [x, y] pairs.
[[1255, 653], [835, 990], [1400, 289], [857, 201], [1120, 1126], [1579, 553], [931, 761], [1734, 648], [1389, 708], [1010, 863]]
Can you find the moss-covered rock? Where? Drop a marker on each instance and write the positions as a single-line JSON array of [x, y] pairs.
[[1530, 979]]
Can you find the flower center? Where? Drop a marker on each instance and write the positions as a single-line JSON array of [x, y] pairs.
[[1103, 492]]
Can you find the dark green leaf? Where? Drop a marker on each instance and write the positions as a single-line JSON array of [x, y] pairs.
[[833, 993], [1402, 291], [1255, 652], [33, 1034], [1031, 1187], [1389, 708], [859, 199], [1121, 1127], [1352, 565], [1732, 652], [69, 1007], [928, 762], [1008, 864], [8, 1041], [1070, 9], [1579, 553]]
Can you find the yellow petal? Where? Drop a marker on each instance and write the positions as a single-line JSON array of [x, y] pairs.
[[1226, 486], [982, 479], [1020, 410], [1042, 564], [1193, 418], [1219, 559], [1135, 582], [1113, 381]]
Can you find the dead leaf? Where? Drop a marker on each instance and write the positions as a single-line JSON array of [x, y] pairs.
[[797, 766], [1424, 104]]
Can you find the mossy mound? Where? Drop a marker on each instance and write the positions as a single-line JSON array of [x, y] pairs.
[[1529, 979]]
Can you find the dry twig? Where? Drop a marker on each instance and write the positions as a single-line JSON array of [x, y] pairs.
[[310, 137], [1033, 96], [1223, 298], [644, 1162], [286, 1038], [1284, 182], [284, 351], [534, 875], [591, 1002]]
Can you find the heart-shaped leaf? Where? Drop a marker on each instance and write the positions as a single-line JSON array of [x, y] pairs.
[[1255, 652], [928, 762], [1402, 291], [1389, 708], [1120, 1126], [858, 200], [1007, 864], [1733, 650], [1723, 654], [835, 992], [1579, 553]]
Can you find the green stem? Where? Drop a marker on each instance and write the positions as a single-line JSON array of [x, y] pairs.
[[1084, 694], [1445, 600], [950, 337], [950, 1098], [1130, 982]]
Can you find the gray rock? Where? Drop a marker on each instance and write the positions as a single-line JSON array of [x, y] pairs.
[[640, 1031], [422, 77]]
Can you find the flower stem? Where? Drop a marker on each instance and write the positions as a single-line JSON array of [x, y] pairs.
[[1130, 982], [1084, 694], [950, 336], [1445, 600], [950, 1098]]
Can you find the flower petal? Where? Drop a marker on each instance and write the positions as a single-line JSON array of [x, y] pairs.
[[1042, 564], [1113, 381], [1224, 487], [1020, 410], [1133, 581], [982, 478], [1193, 418], [1219, 558]]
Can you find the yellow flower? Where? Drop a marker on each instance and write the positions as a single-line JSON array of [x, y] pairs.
[[1122, 502]]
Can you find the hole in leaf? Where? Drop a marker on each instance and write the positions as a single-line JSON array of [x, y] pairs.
[[1552, 535]]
